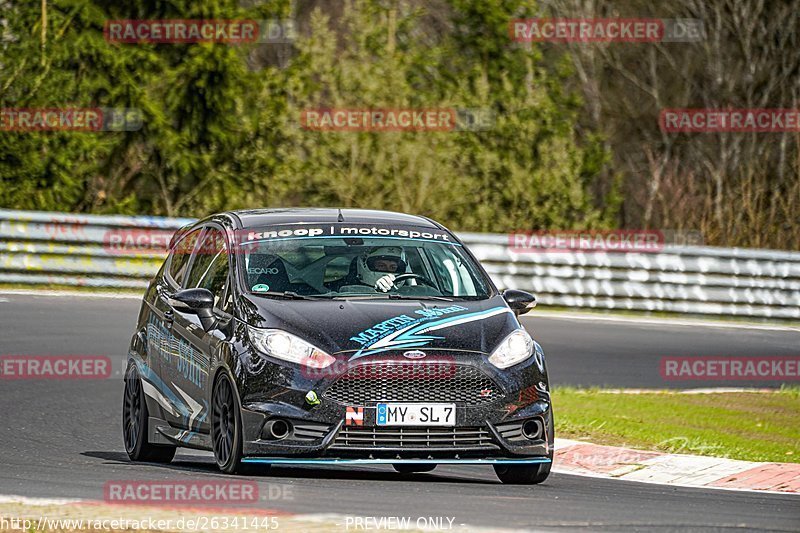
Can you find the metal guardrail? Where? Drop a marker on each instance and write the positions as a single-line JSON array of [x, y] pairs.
[[60, 249], [53, 248]]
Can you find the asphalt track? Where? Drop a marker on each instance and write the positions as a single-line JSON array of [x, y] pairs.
[[62, 439]]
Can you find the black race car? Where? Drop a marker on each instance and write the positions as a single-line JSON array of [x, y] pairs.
[[322, 336]]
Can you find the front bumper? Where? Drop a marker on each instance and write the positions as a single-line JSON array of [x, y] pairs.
[[484, 430], [333, 461]]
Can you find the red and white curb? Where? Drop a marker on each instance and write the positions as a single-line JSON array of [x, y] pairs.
[[583, 458]]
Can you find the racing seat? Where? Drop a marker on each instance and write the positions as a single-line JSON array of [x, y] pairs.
[[272, 272], [351, 278], [262, 264]]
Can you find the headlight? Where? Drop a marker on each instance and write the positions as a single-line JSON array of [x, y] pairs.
[[282, 345], [514, 349]]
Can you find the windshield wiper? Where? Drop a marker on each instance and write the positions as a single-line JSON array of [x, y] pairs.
[[289, 295], [394, 296]]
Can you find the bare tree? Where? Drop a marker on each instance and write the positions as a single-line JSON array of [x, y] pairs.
[[748, 183]]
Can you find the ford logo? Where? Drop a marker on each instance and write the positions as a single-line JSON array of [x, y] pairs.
[[414, 354]]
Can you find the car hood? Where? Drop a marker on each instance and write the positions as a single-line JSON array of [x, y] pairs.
[[370, 327]]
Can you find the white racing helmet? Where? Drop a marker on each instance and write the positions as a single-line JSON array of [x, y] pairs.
[[374, 265]]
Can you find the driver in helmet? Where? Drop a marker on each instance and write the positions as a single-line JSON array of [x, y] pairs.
[[379, 267]]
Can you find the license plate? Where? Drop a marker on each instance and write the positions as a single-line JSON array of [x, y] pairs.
[[416, 414]]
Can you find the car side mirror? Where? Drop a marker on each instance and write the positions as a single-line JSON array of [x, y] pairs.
[[519, 301], [198, 302]]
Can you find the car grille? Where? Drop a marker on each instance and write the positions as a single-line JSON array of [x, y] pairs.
[[413, 438], [308, 431], [413, 382]]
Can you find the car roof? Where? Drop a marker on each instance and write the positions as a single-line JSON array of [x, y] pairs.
[[252, 218]]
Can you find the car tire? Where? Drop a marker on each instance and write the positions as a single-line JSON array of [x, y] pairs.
[[226, 426], [527, 474], [522, 474], [413, 468], [135, 419]]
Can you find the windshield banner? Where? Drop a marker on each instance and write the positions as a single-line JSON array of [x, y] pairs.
[[341, 231]]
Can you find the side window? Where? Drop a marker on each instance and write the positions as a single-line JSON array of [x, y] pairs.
[[443, 277], [452, 275], [210, 267], [216, 278], [180, 255]]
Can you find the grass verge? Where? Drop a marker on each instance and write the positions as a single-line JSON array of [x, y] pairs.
[[750, 426]]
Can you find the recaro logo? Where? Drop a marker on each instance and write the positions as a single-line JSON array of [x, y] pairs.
[[272, 271]]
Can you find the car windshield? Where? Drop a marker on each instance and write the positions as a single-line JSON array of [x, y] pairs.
[[333, 266]]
